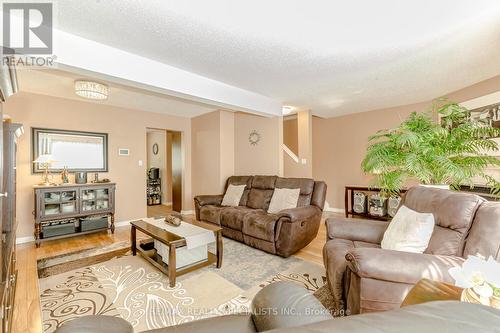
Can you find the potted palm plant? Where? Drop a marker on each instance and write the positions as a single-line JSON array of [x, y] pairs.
[[453, 151]]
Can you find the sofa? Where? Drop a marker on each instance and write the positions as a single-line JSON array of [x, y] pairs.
[[283, 233], [364, 278], [285, 307]]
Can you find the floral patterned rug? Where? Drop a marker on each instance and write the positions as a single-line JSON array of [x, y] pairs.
[[131, 288]]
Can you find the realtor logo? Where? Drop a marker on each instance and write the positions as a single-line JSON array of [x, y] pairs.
[[27, 28]]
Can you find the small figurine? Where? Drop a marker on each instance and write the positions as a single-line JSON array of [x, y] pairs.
[[64, 175], [174, 219]]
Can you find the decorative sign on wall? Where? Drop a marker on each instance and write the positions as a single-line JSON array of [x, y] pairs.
[[155, 149], [254, 138]]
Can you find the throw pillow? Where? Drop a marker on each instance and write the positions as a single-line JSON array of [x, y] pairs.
[[233, 195], [409, 231], [283, 198]]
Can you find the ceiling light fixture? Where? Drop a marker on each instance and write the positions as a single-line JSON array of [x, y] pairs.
[[91, 90], [287, 109]]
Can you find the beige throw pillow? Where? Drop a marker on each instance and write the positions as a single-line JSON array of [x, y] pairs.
[[409, 231], [283, 198], [233, 195]]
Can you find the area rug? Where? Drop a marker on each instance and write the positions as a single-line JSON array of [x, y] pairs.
[[130, 288]]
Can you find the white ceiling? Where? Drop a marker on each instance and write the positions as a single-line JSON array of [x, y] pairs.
[[331, 56], [61, 84]]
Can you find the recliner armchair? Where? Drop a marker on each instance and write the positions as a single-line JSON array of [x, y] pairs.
[[364, 278]]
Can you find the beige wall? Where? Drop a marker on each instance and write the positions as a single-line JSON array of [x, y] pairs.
[[303, 168], [291, 133], [221, 148], [266, 157], [126, 129], [339, 144], [227, 153], [205, 131]]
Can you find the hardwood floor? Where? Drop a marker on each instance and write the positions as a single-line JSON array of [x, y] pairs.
[[27, 315], [159, 210]]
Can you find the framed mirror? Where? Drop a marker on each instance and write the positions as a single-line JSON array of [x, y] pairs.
[[78, 151]]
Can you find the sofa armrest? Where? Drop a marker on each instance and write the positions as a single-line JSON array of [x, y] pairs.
[[286, 304], [402, 267], [299, 214], [204, 200], [370, 231]]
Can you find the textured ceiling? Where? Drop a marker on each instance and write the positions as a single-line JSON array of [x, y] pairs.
[[332, 56]]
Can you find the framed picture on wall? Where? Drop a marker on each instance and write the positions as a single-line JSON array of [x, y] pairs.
[[487, 109], [75, 150]]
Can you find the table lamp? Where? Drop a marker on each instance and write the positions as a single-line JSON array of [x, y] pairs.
[[44, 162]]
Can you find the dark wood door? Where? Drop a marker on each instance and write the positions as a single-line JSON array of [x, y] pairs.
[[177, 171]]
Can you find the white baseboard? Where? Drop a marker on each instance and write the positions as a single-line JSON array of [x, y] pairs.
[[27, 239], [187, 212], [334, 210]]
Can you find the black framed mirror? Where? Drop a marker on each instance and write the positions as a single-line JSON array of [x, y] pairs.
[[76, 150], [155, 149]]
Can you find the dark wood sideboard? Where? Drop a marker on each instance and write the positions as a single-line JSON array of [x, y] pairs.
[[8, 223], [73, 209], [349, 193]]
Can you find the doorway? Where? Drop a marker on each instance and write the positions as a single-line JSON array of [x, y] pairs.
[[164, 172]]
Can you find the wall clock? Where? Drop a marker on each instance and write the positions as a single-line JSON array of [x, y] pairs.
[[155, 149], [254, 137]]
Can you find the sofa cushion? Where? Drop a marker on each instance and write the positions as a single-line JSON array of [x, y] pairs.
[[261, 192], [453, 214], [283, 198], [233, 217], [233, 195], [260, 225], [241, 180], [409, 231], [484, 236], [306, 186], [211, 213]]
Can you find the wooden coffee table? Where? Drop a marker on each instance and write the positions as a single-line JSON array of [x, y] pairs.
[[173, 242], [428, 291]]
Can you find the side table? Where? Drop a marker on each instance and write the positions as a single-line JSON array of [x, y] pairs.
[[428, 291]]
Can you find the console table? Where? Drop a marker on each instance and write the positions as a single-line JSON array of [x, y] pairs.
[[349, 202], [73, 209]]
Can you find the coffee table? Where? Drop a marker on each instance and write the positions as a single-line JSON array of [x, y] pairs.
[[173, 242]]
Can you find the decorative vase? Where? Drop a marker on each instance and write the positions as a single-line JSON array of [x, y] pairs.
[[470, 296]]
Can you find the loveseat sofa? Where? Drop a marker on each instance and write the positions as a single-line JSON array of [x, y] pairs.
[[282, 233], [364, 278]]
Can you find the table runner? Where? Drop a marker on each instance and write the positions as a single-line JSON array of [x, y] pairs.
[[195, 236]]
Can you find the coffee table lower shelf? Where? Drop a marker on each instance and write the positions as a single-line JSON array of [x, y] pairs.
[[155, 259], [173, 242]]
